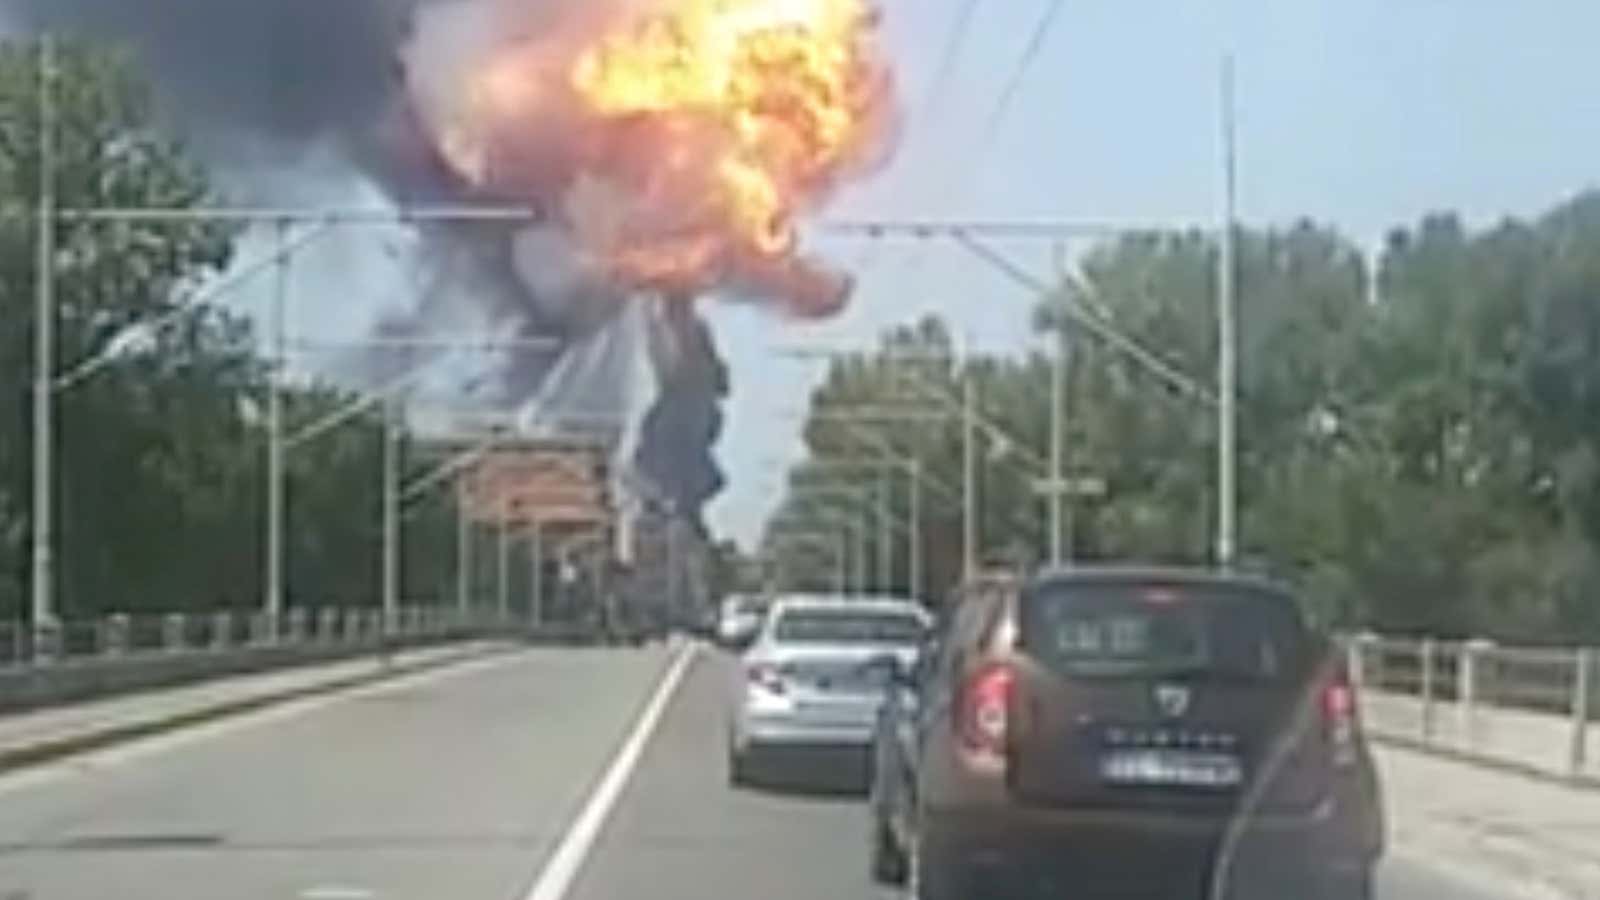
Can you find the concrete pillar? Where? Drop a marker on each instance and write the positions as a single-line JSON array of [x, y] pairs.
[[174, 632]]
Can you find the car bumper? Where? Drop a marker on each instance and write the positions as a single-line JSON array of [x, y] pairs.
[[799, 731], [1043, 851]]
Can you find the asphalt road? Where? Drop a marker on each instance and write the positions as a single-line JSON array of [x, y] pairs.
[[457, 785]]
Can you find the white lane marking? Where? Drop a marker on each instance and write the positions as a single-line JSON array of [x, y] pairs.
[[557, 876], [337, 892], [95, 762]]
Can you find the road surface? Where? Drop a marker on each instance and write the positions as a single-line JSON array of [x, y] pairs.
[[462, 784]]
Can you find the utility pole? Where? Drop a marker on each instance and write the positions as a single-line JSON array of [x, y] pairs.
[[536, 573], [391, 515], [969, 491], [885, 531], [915, 537], [842, 562], [1058, 440], [863, 559], [44, 614], [674, 558], [1227, 341], [503, 564], [272, 603], [463, 556]]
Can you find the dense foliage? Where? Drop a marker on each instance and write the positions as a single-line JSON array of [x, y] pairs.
[[161, 453], [1421, 452]]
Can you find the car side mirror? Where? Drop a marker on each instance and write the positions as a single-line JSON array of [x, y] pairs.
[[742, 642], [892, 670]]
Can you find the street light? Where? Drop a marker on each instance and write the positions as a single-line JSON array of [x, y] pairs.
[[921, 480], [849, 529], [974, 426], [835, 543], [913, 531], [1227, 343], [862, 498], [44, 615]]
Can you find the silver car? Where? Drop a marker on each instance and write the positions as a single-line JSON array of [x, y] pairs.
[[815, 677], [740, 619]]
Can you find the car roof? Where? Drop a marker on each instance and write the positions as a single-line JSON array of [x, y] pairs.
[[1174, 575], [848, 604]]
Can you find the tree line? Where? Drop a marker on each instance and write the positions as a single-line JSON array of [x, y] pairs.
[[1419, 429], [161, 448]]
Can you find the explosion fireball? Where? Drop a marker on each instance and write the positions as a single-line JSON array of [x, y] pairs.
[[679, 140]]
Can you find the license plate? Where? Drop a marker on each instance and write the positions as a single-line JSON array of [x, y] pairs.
[[1168, 768]]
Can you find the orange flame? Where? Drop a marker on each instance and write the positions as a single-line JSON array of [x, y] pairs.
[[710, 124]]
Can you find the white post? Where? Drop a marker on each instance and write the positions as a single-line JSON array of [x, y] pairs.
[[863, 560], [841, 577], [969, 492], [1058, 439], [1582, 688], [1427, 651], [1227, 337], [276, 475], [44, 616], [391, 515], [915, 536], [1469, 684], [885, 532]]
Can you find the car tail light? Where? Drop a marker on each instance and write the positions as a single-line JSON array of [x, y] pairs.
[[1339, 717], [985, 714], [766, 676]]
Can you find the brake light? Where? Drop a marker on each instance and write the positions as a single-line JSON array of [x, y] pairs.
[[766, 676], [1339, 717], [985, 714]]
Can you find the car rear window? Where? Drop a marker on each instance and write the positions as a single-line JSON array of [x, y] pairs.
[[826, 626], [1132, 629]]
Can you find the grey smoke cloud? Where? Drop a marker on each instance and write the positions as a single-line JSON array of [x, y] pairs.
[[257, 82], [290, 69]]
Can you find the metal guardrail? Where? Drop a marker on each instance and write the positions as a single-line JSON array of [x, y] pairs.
[[124, 637], [117, 654], [1533, 708]]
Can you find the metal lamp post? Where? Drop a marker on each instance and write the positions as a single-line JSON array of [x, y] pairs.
[[1227, 343], [43, 597]]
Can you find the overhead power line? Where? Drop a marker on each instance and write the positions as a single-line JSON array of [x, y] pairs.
[[1008, 95], [1147, 358], [1010, 229], [1036, 42], [950, 56]]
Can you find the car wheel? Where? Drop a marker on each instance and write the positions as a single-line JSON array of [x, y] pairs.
[[738, 768], [889, 863]]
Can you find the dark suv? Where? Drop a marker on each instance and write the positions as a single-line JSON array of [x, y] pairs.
[[1126, 732]]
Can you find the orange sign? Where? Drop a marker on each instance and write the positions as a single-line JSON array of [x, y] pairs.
[[551, 486]]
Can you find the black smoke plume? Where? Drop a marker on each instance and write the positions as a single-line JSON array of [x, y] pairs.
[[266, 82]]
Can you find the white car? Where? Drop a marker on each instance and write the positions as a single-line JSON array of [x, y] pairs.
[[815, 677], [740, 619]]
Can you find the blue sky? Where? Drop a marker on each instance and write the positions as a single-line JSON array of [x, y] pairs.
[[1362, 113]]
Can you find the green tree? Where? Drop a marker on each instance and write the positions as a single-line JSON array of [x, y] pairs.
[[1420, 445], [108, 276], [160, 454]]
